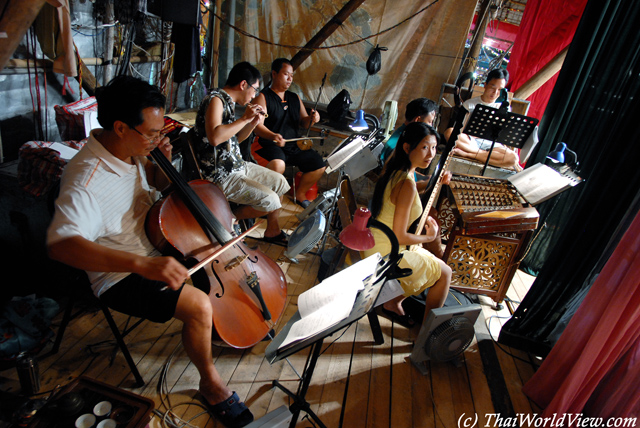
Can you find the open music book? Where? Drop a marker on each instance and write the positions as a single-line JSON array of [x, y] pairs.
[[345, 151], [331, 301], [540, 182]]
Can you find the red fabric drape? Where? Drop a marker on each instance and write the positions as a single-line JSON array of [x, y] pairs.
[[595, 365], [547, 27]]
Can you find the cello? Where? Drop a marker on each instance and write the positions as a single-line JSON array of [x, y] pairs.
[[247, 289]]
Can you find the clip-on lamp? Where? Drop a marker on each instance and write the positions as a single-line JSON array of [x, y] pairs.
[[358, 236], [558, 154], [359, 124], [562, 159]]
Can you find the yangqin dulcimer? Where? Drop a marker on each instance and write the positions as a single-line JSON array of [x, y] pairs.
[[488, 227]]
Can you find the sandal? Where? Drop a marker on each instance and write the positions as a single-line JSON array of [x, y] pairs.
[[281, 238], [404, 320], [231, 412], [304, 204]]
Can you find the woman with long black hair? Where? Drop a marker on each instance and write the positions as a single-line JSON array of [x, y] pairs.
[[396, 203]]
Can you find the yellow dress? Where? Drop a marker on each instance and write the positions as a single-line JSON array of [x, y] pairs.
[[425, 267]]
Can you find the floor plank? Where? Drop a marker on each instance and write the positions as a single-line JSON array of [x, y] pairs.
[[355, 411], [356, 384]]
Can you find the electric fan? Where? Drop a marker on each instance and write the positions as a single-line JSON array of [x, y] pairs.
[[307, 235], [388, 118], [322, 203], [445, 335]]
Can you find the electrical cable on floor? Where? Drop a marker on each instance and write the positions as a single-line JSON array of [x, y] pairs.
[[433, 401], [488, 324], [348, 377], [515, 302], [169, 418], [337, 338]]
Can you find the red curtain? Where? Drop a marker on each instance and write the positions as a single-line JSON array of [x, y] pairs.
[[547, 27], [595, 365]]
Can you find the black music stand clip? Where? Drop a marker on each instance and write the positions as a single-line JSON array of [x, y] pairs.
[[364, 303], [499, 126]]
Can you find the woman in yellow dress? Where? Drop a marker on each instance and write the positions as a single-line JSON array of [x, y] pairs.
[[396, 203]]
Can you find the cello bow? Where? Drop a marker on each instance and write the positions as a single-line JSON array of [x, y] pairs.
[[230, 275]]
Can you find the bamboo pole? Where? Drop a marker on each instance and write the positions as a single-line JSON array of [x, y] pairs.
[[89, 81], [471, 61], [325, 32], [15, 63], [215, 52], [109, 38], [18, 17], [542, 76]]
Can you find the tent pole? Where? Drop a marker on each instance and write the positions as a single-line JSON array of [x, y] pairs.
[[325, 32], [19, 16]]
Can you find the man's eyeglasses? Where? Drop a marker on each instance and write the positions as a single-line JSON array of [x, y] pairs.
[[256, 91], [150, 140]]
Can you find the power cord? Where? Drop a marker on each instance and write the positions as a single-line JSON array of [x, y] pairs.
[[169, 418], [488, 324]]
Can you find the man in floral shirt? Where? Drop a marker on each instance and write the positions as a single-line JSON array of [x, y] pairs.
[[257, 189]]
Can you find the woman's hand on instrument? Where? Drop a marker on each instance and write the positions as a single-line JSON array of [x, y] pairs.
[[431, 229], [279, 140], [165, 269], [446, 177]]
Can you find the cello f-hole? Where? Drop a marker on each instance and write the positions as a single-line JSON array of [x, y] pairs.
[[218, 294]]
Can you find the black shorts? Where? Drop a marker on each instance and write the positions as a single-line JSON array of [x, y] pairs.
[[142, 298], [306, 160]]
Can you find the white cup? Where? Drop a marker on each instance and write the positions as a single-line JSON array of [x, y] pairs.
[[101, 409], [85, 421], [107, 423]]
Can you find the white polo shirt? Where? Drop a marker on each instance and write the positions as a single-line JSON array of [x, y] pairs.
[[104, 200]]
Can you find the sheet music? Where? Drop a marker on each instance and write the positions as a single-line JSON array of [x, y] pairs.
[[390, 289], [337, 158], [539, 183], [331, 301]]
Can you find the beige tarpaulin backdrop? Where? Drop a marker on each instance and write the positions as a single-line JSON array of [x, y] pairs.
[[424, 52]]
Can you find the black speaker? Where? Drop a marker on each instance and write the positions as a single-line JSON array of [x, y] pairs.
[[178, 11]]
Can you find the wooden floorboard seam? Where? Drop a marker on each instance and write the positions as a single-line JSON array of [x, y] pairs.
[[497, 385]]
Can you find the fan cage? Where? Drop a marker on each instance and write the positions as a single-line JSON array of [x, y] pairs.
[[311, 231], [449, 339]]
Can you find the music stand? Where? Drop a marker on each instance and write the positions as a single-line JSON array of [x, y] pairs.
[[499, 126], [363, 304]]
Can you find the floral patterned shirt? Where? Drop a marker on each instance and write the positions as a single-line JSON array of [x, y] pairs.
[[216, 163]]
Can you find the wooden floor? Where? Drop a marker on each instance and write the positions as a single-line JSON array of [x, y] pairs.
[[356, 383]]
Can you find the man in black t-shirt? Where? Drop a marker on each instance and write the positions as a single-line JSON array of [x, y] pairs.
[[286, 115]]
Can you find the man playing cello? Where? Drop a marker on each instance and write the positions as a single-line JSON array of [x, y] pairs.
[[98, 226]]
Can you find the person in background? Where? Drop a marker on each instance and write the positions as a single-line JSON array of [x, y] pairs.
[[98, 226], [258, 190], [287, 115], [476, 148], [419, 110]]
